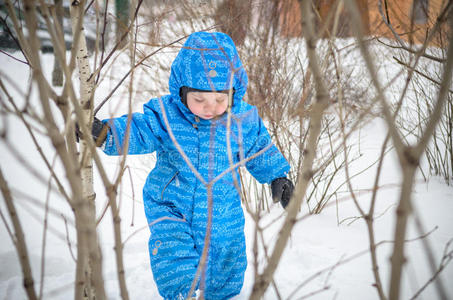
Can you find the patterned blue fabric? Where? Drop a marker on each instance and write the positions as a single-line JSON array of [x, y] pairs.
[[175, 201]]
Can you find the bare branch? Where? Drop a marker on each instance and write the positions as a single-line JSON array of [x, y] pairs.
[[67, 238], [123, 36], [408, 156], [19, 241], [262, 282], [96, 110], [446, 259], [44, 236], [420, 73]]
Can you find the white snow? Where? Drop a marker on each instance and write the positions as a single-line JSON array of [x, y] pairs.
[[317, 242]]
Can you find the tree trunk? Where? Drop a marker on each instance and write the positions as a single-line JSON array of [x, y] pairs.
[[122, 21], [57, 73], [89, 260]]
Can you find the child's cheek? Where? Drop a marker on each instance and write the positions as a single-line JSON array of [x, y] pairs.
[[221, 109], [195, 108]]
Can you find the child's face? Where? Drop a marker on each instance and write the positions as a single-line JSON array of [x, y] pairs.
[[207, 105]]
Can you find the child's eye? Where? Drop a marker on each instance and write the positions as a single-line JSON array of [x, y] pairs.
[[199, 100], [220, 100]]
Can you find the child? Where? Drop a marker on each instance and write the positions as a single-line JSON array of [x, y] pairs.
[[206, 69]]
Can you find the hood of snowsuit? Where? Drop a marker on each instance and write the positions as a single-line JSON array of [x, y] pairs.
[[209, 62]]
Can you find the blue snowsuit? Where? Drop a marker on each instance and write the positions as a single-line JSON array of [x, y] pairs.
[[175, 201]]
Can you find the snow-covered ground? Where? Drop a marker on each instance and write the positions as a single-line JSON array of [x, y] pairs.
[[318, 243]]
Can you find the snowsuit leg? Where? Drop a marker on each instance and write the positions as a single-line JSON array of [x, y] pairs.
[[173, 256], [226, 267], [227, 259]]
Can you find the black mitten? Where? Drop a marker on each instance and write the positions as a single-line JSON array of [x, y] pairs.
[[282, 190], [98, 132]]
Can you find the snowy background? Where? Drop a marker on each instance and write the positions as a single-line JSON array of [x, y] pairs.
[[319, 244]]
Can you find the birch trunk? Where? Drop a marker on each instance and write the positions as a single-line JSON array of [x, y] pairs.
[[89, 261]]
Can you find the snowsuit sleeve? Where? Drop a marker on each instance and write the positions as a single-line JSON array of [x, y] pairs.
[[270, 164], [144, 133]]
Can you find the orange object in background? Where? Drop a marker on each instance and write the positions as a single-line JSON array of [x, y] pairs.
[[411, 19]]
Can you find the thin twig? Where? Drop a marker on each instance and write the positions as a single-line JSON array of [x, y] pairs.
[[15, 58], [446, 259], [19, 243], [96, 110], [123, 36], [5, 25], [353, 257], [431, 57], [8, 229], [44, 235], [133, 196], [67, 238], [419, 73], [35, 141]]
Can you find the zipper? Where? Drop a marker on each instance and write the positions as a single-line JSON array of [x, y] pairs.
[[182, 218], [165, 187], [195, 125]]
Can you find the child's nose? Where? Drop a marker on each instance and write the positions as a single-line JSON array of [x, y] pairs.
[[210, 104]]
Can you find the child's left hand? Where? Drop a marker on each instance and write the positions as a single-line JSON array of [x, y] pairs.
[[282, 190]]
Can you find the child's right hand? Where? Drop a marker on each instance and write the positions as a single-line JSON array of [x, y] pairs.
[[98, 132]]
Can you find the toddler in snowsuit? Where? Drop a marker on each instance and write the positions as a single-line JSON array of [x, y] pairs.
[[206, 69]]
